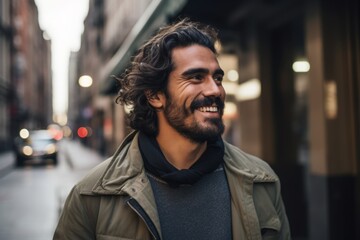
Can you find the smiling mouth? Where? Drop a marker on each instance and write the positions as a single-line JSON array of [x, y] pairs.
[[211, 109], [209, 105]]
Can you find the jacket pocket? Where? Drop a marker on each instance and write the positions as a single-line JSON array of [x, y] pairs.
[[270, 227], [269, 220]]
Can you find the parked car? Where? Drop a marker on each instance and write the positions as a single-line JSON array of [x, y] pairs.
[[35, 147]]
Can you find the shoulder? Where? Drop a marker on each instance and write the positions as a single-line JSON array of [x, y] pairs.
[[119, 168], [236, 158], [86, 184]]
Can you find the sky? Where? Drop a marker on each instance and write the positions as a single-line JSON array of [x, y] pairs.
[[63, 21]]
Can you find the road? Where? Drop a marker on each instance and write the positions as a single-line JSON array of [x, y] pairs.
[[30, 197]]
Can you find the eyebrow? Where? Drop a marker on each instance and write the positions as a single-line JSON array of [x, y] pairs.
[[193, 71]]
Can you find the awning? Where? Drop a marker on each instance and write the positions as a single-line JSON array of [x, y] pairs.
[[156, 15]]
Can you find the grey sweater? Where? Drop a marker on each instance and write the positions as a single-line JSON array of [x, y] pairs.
[[198, 211]]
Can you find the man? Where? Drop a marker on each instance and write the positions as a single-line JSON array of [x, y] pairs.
[[174, 177]]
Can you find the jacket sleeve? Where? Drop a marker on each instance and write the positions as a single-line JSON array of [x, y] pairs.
[[74, 222], [280, 208]]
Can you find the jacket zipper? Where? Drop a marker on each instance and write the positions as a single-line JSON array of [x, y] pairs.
[[134, 205]]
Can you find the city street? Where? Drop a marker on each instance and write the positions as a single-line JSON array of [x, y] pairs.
[[30, 197]]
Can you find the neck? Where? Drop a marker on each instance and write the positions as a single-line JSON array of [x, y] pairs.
[[180, 151]]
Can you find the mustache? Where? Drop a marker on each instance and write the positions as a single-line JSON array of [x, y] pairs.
[[207, 101]]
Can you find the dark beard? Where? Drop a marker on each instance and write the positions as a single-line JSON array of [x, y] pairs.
[[193, 131]]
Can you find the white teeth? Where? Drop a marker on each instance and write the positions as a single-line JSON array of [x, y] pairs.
[[208, 109]]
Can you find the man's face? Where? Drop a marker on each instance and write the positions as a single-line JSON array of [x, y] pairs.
[[195, 95]]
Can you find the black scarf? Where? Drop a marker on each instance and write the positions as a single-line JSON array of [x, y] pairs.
[[156, 164]]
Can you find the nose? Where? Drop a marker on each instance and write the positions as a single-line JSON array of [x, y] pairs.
[[213, 88]]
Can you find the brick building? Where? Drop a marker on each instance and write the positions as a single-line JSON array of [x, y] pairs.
[[25, 70]]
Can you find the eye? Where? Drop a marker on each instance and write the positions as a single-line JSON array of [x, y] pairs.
[[218, 78], [196, 77]]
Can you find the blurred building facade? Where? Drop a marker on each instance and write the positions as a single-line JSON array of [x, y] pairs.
[[25, 70], [292, 82], [5, 53], [107, 25]]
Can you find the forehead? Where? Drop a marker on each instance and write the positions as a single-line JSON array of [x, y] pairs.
[[194, 56]]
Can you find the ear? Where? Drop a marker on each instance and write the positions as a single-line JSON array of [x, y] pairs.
[[156, 100]]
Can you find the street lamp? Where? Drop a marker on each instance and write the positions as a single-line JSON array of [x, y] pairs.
[[85, 81], [301, 66]]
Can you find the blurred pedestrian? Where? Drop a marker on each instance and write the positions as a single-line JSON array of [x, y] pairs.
[[174, 177]]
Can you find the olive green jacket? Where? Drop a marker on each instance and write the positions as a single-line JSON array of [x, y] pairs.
[[115, 200]]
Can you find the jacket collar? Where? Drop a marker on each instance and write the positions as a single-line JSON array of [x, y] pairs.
[[246, 165], [125, 173]]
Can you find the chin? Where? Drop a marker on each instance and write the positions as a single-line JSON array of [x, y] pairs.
[[207, 137], [207, 133]]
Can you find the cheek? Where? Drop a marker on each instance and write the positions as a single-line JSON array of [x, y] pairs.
[[186, 96]]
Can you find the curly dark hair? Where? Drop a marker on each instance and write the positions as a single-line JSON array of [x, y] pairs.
[[151, 67]]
